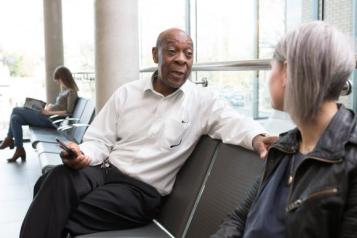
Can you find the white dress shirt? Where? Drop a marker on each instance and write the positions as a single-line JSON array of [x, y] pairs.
[[149, 136]]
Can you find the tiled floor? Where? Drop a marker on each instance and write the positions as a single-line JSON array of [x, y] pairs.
[[16, 184]]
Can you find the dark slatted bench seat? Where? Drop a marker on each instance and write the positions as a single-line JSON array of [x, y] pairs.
[[212, 182], [210, 185]]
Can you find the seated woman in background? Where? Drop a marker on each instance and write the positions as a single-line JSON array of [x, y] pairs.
[[23, 116], [309, 187]]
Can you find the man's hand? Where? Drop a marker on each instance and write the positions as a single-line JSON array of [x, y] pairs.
[[262, 143], [79, 161]]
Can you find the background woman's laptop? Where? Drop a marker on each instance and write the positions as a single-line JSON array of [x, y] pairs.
[[34, 104]]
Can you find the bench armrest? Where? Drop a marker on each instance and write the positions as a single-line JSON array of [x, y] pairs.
[[59, 121], [64, 128], [67, 127], [56, 116]]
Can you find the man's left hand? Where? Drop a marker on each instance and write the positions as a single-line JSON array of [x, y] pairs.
[[262, 143]]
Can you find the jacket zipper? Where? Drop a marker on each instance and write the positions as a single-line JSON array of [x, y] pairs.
[[292, 177], [296, 204]]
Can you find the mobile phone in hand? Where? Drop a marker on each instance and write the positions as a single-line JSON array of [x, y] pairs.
[[70, 153]]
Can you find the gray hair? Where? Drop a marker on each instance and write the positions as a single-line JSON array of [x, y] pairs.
[[319, 61]]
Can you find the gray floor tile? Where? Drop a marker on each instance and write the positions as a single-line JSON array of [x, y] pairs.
[[15, 192], [10, 229], [13, 177], [13, 211], [16, 183]]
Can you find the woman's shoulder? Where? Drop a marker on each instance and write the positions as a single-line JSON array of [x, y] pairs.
[[69, 91]]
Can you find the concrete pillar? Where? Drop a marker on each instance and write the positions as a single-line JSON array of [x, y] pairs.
[[116, 46], [53, 44]]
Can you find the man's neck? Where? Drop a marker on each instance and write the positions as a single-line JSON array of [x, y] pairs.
[[162, 88]]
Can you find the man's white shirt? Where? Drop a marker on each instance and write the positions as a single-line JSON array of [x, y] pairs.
[[149, 136]]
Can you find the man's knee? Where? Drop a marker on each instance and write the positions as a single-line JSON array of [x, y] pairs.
[[61, 171], [57, 176]]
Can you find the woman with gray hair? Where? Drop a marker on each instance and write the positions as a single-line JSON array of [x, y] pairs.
[[309, 186]]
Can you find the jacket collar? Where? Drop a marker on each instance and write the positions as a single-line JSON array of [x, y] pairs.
[[331, 145]]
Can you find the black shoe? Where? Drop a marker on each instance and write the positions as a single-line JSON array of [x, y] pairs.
[[7, 142]]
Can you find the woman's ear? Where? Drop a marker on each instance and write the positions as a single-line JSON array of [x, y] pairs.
[[285, 73], [155, 56]]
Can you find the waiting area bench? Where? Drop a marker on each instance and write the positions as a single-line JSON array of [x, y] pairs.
[[210, 185], [212, 182], [71, 128]]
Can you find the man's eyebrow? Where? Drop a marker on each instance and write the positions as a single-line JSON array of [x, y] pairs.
[[170, 42]]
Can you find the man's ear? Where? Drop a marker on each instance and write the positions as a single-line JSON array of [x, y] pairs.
[[155, 54]]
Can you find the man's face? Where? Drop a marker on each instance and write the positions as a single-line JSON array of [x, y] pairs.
[[174, 57]]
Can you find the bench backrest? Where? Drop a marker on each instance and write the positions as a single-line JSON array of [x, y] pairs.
[[77, 113], [79, 107], [177, 209], [234, 171], [85, 119]]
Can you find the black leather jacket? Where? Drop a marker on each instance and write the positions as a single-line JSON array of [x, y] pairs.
[[322, 200]]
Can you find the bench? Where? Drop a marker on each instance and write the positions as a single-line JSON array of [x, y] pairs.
[[212, 182], [67, 129]]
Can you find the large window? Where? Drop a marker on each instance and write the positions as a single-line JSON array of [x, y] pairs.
[[78, 43], [21, 55], [340, 13], [156, 16], [78, 34], [238, 30], [226, 31]]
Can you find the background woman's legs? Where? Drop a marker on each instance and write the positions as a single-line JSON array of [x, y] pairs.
[[19, 117]]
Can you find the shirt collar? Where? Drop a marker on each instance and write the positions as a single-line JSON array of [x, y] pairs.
[[149, 85]]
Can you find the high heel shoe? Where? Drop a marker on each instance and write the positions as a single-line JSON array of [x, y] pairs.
[[7, 142], [19, 152]]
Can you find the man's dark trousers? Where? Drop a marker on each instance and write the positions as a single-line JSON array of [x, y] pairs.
[[86, 201]]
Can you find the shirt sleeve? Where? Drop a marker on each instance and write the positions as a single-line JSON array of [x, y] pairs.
[[223, 122], [101, 136]]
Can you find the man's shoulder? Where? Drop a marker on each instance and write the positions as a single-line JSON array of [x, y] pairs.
[[136, 83], [132, 86]]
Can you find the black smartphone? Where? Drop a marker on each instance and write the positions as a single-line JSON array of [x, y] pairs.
[[70, 153]]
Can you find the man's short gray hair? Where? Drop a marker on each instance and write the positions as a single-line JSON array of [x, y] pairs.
[[319, 61]]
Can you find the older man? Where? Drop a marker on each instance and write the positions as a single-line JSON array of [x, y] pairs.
[[134, 148]]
